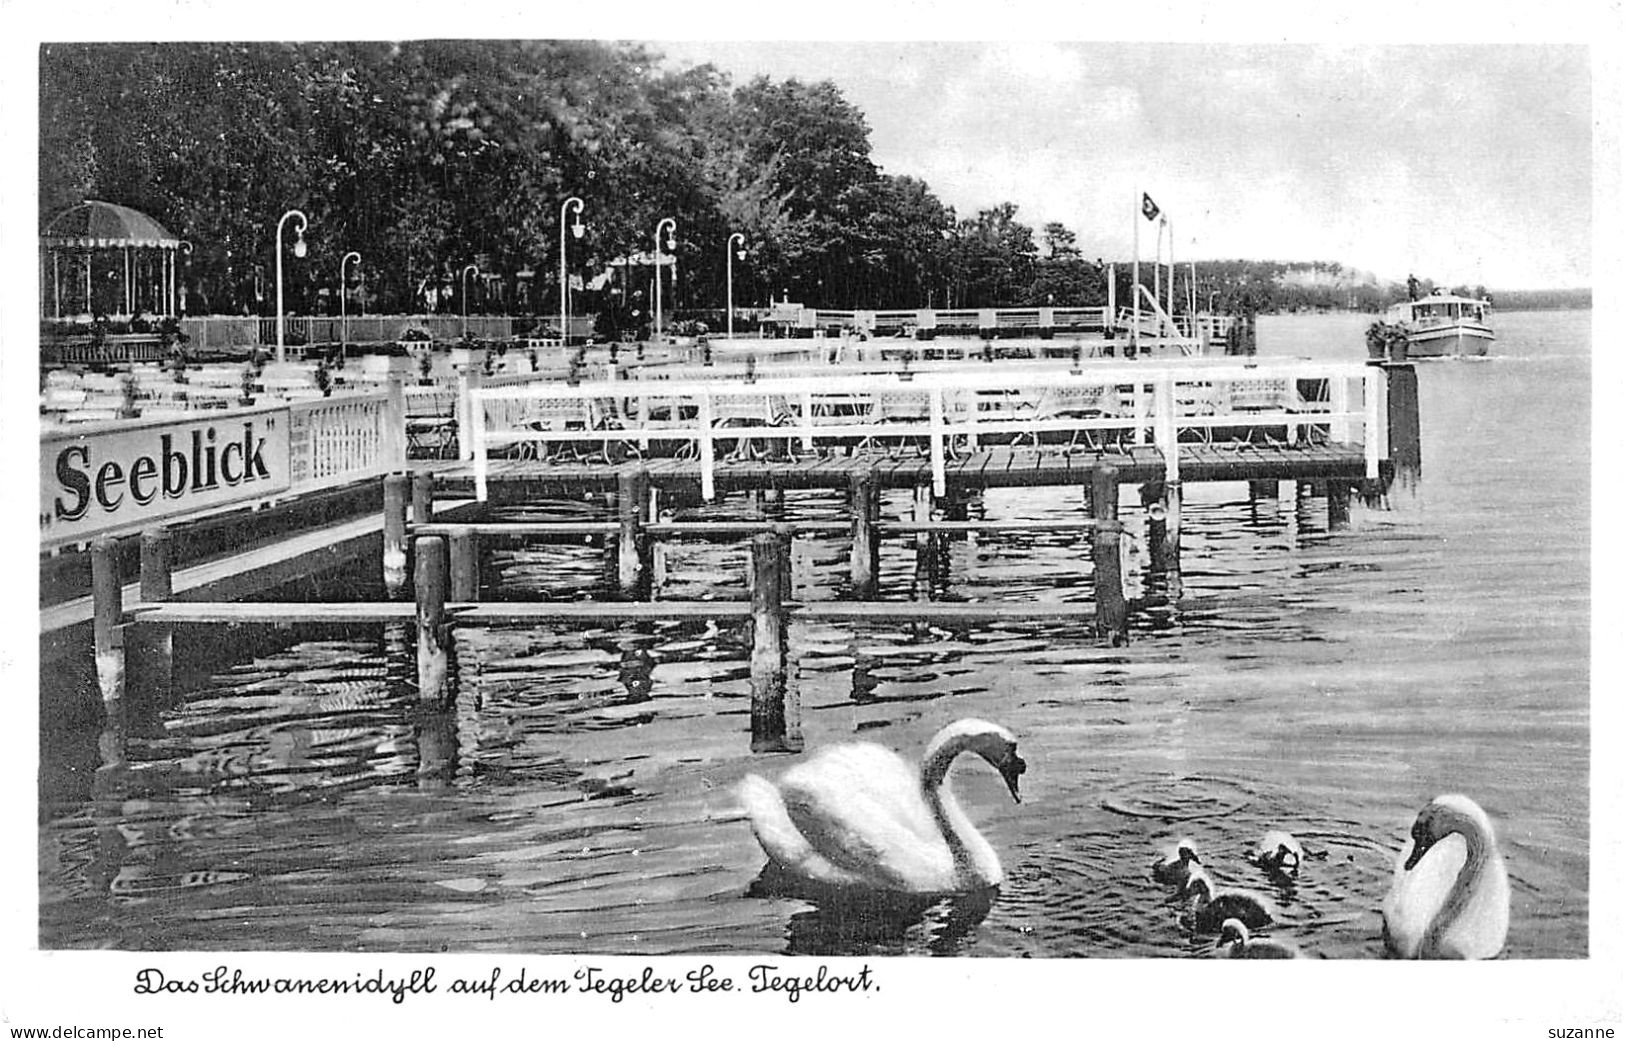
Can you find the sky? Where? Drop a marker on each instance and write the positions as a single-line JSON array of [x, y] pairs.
[[1460, 163]]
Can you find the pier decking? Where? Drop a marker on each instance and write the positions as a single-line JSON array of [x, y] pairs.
[[512, 481]]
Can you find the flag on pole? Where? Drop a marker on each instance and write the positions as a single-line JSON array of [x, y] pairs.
[[1149, 208]]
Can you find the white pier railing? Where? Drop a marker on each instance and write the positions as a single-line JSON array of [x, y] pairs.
[[944, 411]]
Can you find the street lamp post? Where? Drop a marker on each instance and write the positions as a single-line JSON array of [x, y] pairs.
[[731, 238], [298, 251], [476, 270], [344, 300], [564, 282], [177, 281], [671, 244]]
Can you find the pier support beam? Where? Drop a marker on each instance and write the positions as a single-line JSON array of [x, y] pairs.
[[633, 566], [1111, 605], [775, 709], [864, 494], [395, 492], [107, 619], [1257, 489], [434, 635]]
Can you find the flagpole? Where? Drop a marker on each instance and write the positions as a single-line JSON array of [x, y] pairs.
[[1134, 289], [1172, 271]]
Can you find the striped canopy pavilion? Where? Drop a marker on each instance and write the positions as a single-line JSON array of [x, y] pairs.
[[100, 257]]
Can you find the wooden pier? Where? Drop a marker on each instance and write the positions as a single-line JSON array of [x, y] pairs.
[[943, 436]]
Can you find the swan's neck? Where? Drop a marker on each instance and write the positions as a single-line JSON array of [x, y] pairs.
[[1465, 885], [974, 859]]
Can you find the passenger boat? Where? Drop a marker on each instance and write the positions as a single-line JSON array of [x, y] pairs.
[[1443, 325]]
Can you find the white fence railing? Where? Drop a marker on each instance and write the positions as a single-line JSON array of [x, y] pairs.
[[944, 320], [1142, 403], [117, 477]]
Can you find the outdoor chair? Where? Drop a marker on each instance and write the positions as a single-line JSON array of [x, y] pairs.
[[431, 424]]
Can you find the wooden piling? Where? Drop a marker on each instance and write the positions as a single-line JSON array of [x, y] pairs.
[[925, 543], [465, 565], [1168, 549], [1111, 605], [395, 494], [772, 507], [107, 619], [1404, 426], [633, 565], [1264, 489], [1156, 521], [865, 501], [775, 710], [1167, 552], [157, 571], [1337, 505], [436, 731], [422, 497], [434, 635], [151, 648]]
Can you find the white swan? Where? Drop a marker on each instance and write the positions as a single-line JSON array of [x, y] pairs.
[[1174, 866], [856, 816], [1210, 906], [1277, 851], [1449, 897], [1234, 942]]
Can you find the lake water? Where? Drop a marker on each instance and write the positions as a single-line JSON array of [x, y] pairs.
[[579, 798]]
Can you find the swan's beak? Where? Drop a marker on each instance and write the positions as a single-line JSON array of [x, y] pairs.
[[1011, 768], [1419, 846]]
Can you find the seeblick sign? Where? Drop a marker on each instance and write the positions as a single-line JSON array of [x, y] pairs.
[[111, 478]]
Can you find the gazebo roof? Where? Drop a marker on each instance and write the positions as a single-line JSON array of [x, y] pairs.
[[105, 225]]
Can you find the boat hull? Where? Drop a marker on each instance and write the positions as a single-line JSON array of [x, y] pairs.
[[1450, 341]]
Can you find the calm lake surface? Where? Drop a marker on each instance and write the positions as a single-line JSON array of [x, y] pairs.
[[579, 798]]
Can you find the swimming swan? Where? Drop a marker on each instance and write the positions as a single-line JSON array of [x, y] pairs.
[[856, 816], [1175, 865], [1278, 852], [1449, 897], [1235, 943], [1210, 906]]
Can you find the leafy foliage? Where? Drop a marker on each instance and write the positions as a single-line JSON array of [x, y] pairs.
[[428, 156]]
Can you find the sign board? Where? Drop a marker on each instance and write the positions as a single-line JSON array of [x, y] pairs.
[[119, 478]]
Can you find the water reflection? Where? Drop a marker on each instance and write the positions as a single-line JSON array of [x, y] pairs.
[[843, 922]]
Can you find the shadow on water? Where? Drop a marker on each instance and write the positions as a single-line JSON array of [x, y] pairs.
[[847, 923]]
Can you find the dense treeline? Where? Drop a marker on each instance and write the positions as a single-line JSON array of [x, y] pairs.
[[429, 156]]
